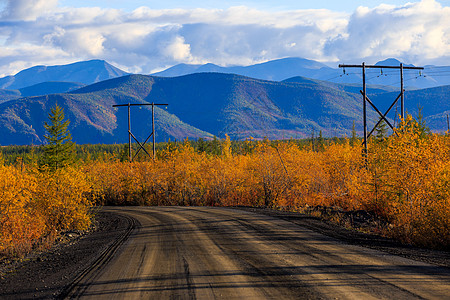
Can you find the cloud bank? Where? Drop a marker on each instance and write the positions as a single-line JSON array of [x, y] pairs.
[[42, 32]]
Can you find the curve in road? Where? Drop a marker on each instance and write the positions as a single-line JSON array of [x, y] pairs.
[[209, 253]]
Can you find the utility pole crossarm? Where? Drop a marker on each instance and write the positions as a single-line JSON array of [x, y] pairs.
[[363, 66], [380, 67], [138, 104]]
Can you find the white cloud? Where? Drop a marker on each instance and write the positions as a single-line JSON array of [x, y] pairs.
[[14, 59], [178, 50], [39, 32], [415, 32], [27, 10]]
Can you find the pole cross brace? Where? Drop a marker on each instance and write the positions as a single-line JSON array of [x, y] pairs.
[[141, 146], [131, 135], [383, 116]]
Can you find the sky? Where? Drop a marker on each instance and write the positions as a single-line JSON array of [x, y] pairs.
[[147, 36]]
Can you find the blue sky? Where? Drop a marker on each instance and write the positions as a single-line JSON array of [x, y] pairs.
[[147, 36]]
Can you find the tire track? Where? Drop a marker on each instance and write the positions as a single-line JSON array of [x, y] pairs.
[[207, 253], [75, 289]]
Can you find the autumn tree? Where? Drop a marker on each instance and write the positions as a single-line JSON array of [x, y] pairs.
[[416, 125], [59, 151], [226, 147]]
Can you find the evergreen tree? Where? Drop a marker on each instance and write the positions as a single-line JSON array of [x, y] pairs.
[[416, 125], [215, 147], [201, 145], [423, 129], [312, 141], [60, 150], [123, 153], [354, 137], [320, 142], [381, 131]]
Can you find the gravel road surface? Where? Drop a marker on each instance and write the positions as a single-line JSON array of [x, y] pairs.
[[209, 253]]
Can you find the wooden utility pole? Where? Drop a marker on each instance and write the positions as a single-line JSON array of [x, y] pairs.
[[364, 92], [366, 99], [129, 131], [153, 131], [131, 135]]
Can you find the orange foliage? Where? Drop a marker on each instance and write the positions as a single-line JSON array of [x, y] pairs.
[[18, 224], [411, 187], [405, 180], [285, 175], [34, 206]]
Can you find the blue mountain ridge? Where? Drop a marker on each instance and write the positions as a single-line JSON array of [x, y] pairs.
[[203, 104], [85, 72], [285, 68]]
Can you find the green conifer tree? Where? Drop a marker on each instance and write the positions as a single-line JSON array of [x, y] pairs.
[[320, 142], [201, 145], [60, 150], [423, 129], [354, 137], [215, 146], [381, 131]]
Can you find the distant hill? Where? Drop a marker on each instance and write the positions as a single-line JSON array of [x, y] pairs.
[[210, 104], [6, 95], [242, 107], [92, 117], [200, 105], [86, 72], [39, 89], [282, 69], [434, 103], [351, 88], [275, 70], [46, 88]]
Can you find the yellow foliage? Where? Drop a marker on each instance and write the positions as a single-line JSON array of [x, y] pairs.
[[411, 186], [18, 223], [405, 180], [35, 205]]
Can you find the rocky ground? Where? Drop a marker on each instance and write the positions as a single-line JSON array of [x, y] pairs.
[[47, 275]]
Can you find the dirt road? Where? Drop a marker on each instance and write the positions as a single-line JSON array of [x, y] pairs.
[[208, 253]]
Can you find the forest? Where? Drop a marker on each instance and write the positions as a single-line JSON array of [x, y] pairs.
[[403, 179]]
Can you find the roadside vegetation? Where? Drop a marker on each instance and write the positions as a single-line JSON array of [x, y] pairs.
[[404, 181], [45, 195]]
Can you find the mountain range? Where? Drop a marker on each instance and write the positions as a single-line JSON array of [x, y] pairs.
[[282, 69], [275, 70], [85, 72], [204, 104]]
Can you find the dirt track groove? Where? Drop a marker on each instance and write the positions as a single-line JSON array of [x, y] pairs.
[[209, 253]]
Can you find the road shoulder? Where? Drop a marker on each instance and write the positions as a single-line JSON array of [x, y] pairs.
[[46, 274]]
